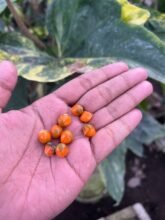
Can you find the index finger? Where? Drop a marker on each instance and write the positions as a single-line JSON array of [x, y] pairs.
[[73, 90]]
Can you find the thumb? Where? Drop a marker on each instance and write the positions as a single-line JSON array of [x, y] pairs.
[[8, 79]]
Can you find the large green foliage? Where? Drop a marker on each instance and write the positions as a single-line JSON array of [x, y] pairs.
[[89, 29], [94, 29], [88, 34]]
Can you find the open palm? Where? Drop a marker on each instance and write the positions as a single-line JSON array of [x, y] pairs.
[[33, 186]]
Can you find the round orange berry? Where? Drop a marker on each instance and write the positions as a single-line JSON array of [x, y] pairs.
[[49, 149], [44, 136], [77, 110], [62, 150], [66, 137], [64, 120], [86, 116], [89, 130], [56, 131]]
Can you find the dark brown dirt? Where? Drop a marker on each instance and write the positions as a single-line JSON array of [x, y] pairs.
[[151, 193]]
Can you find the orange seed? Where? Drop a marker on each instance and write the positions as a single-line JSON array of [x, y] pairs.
[[56, 131], [44, 136], [62, 150], [77, 110], [66, 137], [64, 120], [49, 149], [89, 130], [86, 116]]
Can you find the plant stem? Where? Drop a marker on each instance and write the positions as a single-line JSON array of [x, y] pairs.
[[23, 28]]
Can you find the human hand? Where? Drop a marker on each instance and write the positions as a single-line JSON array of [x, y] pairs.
[[33, 186]]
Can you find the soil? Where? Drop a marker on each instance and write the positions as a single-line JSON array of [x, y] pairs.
[[151, 192]]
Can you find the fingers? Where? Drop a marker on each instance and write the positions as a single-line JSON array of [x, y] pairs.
[[72, 91], [122, 104], [8, 79], [106, 92], [112, 135]]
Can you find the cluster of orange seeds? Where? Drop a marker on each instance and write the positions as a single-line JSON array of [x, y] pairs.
[[59, 131], [85, 117]]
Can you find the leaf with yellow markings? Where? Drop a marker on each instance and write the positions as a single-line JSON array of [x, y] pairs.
[[132, 14]]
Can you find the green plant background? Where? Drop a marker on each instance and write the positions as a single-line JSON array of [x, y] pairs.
[[88, 35]]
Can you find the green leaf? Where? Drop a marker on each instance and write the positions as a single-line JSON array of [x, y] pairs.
[[3, 5], [113, 171], [2, 25], [134, 145], [148, 130], [94, 189], [135, 45], [94, 29], [156, 23], [35, 65], [75, 24]]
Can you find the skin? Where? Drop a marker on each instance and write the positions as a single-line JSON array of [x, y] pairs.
[[33, 186]]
